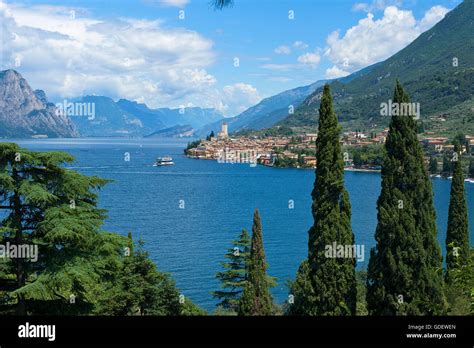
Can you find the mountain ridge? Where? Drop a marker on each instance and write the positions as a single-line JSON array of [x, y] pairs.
[[26, 113], [426, 67]]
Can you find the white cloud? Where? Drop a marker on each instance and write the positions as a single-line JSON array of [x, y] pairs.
[[300, 45], [432, 16], [310, 59], [238, 97], [335, 72], [376, 5], [373, 40], [283, 50], [70, 54]]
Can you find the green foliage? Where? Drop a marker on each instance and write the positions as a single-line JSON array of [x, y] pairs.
[[192, 145], [460, 288], [80, 269], [302, 292], [209, 137], [471, 167], [447, 165], [433, 165], [367, 155], [361, 293], [457, 236], [286, 162], [188, 308], [256, 298], [405, 267], [137, 288], [428, 68], [275, 131], [232, 279], [333, 279]]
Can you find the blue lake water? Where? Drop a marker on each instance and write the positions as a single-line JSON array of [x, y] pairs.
[[219, 199]]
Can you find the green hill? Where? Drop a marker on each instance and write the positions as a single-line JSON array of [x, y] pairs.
[[427, 68]]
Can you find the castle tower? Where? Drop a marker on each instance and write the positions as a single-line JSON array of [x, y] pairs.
[[224, 133]]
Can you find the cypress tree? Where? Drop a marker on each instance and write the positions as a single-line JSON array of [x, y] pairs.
[[433, 167], [404, 272], [333, 280], [256, 298], [447, 166], [457, 236], [233, 277]]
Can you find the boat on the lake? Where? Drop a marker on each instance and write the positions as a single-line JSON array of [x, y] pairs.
[[164, 161]]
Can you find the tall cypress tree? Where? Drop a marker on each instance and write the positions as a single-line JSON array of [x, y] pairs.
[[256, 298], [404, 272], [457, 236], [332, 280]]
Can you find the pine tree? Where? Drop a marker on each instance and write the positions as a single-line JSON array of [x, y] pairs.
[[233, 278], [457, 236], [138, 288], [256, 298], [53, 209], [333, 280], [404, 272], [79, 269]]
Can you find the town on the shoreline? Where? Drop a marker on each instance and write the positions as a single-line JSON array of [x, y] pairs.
[[362, 151]]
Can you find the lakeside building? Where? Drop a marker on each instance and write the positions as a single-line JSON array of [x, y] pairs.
[[301, 147], [224, 133]]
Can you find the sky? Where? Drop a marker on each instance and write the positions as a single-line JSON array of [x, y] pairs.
[[174, 53]]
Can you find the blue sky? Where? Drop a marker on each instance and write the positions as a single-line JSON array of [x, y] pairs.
[[142, 50]]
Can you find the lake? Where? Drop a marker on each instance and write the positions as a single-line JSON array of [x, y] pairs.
[[187, 214]]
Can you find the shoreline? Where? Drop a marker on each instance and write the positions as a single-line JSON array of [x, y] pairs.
[[347, 169]]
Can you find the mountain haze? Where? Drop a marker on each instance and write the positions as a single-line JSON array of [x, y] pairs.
[[129, 118]]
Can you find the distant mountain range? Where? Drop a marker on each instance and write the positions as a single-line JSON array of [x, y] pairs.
[[173, 132], [25, 113], [273, 109], [437, 70], [267, 112], [129, 118]]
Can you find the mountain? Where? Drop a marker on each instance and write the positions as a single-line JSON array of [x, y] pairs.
[[266, 113], [173, 132], [437, 69], [25, 113], [273, 109], [194, 116], [111, 120], [129, 118]]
